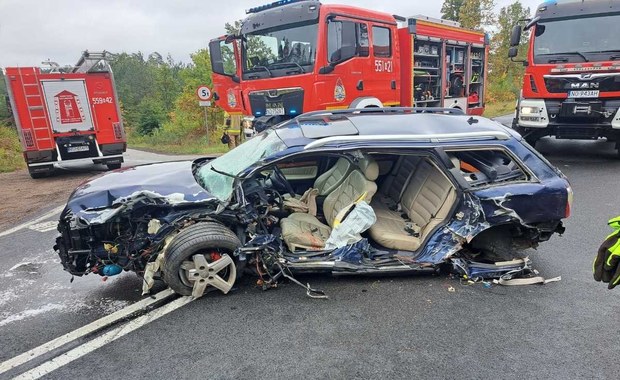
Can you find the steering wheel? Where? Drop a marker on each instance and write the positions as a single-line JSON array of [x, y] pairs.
[[278, 178]]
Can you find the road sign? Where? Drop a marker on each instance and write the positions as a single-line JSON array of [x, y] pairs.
[[204, 93]]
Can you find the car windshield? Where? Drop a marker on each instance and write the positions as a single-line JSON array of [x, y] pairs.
[[234, 162], [577, 39], [280, 51]]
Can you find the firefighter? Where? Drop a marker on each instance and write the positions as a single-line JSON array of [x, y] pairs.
[[607, 262], [233, 130]]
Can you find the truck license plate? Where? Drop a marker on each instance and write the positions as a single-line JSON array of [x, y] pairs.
[[583, 94], [274, 111], [81, 148]]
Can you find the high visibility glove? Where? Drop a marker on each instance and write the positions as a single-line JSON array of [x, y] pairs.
[[607, 263]]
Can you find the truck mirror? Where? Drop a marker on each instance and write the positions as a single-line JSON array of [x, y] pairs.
[[217, 63], [515, 36], [513, 52]]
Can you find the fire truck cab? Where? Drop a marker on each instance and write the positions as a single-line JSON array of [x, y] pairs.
[[67, 115], [295, 56], [571, 87]]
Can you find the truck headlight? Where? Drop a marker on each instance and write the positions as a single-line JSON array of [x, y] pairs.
[[529, 110]]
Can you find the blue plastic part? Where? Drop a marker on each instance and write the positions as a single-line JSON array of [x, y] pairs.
[[111, 270]]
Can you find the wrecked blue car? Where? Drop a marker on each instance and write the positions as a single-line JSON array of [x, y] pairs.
[[375, 191]]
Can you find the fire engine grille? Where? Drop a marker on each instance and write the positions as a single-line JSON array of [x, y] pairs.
[[601, 82]]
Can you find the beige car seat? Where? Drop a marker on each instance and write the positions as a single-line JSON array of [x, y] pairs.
[[305, 231]]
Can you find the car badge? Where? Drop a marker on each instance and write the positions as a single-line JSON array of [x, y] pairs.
[[232, 99], [339, 92]]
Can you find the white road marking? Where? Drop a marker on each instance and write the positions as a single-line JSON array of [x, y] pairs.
[[45, 226], [48, 215], [102, 340], [82, 331]]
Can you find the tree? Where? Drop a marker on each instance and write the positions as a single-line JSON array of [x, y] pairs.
[[504, 71], [4, 110], [450, 9], [474, 14]]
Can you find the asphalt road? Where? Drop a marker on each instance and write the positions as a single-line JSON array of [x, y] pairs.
[[398, 327]]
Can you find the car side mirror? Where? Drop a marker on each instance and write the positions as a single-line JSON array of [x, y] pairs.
[[326, 69]]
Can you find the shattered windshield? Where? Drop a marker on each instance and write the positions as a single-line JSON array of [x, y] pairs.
[[280, 51], [577, 39], [217, 176]]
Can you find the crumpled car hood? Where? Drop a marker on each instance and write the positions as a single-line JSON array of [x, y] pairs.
[[100, 198]]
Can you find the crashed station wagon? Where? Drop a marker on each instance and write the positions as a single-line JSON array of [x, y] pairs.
[[374, 191]]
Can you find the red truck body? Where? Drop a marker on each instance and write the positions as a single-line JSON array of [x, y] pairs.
[[571, 87], [66, 116], [347, 57]]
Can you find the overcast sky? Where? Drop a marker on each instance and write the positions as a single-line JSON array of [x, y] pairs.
[[35, 30]]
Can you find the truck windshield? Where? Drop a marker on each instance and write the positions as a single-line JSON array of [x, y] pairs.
[[280, 51], [217, 176], [577, 39]]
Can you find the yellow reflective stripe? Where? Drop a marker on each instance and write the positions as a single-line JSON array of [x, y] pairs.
[[615, 251]]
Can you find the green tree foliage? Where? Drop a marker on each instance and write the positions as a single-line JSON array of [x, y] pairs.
[[450, 9], [4, 111], [507, 75], [474, 14]]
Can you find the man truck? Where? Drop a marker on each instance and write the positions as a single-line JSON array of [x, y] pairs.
[[571, 87], [295, 56]]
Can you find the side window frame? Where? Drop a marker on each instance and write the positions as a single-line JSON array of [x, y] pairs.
[[361, 44], [375, 29]]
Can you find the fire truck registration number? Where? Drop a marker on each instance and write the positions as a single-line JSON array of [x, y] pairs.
[[584, 94], [108, 100], [81, 148], [382, 66]]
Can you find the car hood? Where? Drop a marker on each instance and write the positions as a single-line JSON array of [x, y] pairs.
[[105, 196]]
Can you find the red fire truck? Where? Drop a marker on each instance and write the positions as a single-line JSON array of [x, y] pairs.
[[571, 87], [67, 116], [294, 56]]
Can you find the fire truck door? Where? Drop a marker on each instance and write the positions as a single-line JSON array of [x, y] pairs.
[[225, 61], [68, 105], [347, 53]]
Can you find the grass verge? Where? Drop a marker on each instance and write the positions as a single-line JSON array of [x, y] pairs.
[[11, 157], [499, 108], [180, 146]]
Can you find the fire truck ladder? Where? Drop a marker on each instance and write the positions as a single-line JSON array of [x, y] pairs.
[[36, 105], [93, 62]]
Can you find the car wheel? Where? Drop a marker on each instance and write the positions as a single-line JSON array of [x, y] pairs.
[[113, 166], [200, 260]]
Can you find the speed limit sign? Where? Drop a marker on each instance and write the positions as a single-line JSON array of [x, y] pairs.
[[204, 93]]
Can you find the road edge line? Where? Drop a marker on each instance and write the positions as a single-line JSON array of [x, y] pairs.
[[100, 341], [30, 223], [82, 331]]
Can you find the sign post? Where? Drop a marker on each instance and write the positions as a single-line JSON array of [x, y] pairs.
[[204, 100]]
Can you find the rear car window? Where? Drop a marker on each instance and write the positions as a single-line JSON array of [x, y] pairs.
[[488, 167]]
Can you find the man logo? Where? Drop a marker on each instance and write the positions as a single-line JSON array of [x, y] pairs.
[[585, 86]]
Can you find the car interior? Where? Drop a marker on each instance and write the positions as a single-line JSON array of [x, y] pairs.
[[409, 193]]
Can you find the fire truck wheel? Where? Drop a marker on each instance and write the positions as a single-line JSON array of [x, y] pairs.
[[113, 166], [40, 173]]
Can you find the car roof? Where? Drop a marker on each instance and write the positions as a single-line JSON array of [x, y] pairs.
[[323, 128]]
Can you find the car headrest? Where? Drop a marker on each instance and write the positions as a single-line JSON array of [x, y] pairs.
[[369, 168]]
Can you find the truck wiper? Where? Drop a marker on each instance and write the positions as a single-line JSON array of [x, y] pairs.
[[612, 56], [585, 59], [263, 68], [285, 64]]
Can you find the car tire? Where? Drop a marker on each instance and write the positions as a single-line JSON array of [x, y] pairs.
[[113, 166], [204, 238]]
